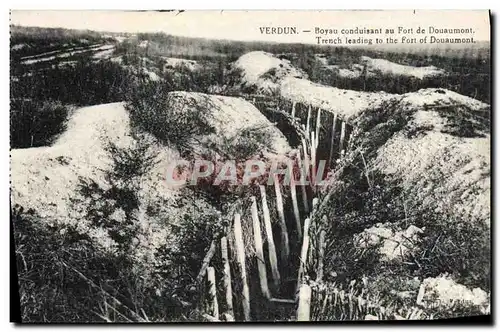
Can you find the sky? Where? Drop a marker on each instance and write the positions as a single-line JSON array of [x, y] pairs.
[[245, 25]]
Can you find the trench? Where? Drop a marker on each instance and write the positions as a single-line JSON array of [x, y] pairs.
[[277, 112], [282, 306]]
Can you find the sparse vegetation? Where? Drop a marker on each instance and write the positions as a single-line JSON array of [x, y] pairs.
[[247, 143], [105, 265], [34, 123], [86, 83], [465, 75], [150, 111], [40, 40], [448, 242], [65, 275]]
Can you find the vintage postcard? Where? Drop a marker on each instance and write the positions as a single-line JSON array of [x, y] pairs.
[[250, 166]]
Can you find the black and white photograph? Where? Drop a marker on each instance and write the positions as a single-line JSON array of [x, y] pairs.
[[223, 166]]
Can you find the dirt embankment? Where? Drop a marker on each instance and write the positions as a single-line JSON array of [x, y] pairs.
[[442, 154], [424, 183], [263, 72], [387, 67], [424, 179], [436, 142], [48, 180], [230, 117], [272, 75], [371, 67]]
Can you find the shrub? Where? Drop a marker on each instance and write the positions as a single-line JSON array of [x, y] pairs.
[[465, 122], [85, 83], [248, 142], [62, 276], [200, 79], [192, 223], [34, 123], [114, 208], [465, 74], [307, 62], [207, 77], [150, 110], [269, 75]]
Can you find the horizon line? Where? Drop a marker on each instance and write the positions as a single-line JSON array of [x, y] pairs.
[[406, 46]]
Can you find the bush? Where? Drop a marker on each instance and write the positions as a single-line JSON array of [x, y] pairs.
[[34, 123], [114, 208], [150, 110], [85, 83], [248, 142], [63, 277]]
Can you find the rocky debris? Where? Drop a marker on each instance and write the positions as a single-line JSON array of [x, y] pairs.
[[444, 291], [392, 245], [174, 63]]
